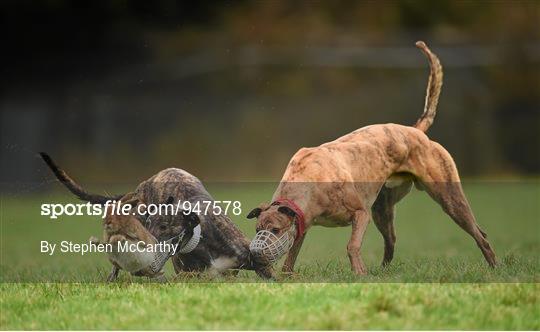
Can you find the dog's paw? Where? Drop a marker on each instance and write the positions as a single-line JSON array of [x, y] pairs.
[[288, 275]]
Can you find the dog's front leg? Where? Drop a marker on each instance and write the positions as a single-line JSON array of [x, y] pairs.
[[359, 225], [288, 266], [160, 278], [266, 272]]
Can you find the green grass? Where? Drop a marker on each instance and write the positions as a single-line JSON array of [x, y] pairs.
[[270, 306], [438, 279]]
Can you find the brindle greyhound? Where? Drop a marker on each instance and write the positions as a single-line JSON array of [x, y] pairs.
[[222, 245], [362, 175]]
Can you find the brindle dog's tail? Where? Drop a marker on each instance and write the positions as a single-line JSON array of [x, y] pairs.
[[433, 90], [76, 189]]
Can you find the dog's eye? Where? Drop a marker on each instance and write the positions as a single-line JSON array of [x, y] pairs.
[[162, 227], [275, 230]]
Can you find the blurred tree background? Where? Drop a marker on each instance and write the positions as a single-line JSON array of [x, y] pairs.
[[229, 90]]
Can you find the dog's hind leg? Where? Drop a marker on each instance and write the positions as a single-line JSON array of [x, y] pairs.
[[441, 180], [114, 274], [383, 216]]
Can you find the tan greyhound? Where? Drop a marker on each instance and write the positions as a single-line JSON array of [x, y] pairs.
[[362, 175]]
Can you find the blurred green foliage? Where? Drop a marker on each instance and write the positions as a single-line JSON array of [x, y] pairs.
[[230, 90]]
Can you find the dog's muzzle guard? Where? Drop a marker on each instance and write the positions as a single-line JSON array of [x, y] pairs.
[[160, 258], [137, 261], [269, 247]]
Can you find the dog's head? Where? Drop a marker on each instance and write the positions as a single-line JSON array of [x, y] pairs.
[[276, 232], [276, 219], [165, 227], [117, 222], [124, 225]]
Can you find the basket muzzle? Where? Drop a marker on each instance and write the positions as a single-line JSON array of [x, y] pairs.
[[269, 248], [161, 257], [142, 259]]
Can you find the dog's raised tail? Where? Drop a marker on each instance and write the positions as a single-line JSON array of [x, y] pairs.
[[435, 82], [72, 186]]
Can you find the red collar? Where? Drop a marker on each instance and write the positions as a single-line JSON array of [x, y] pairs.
[[300, 219]]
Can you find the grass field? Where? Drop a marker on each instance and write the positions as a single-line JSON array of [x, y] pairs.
[[270, 306], [437, 280]]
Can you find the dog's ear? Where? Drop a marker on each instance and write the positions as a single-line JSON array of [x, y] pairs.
[[130, 199], [254, 213], [287, 211], [132, 202], [191, 220], [257, 211], [127, 197]]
